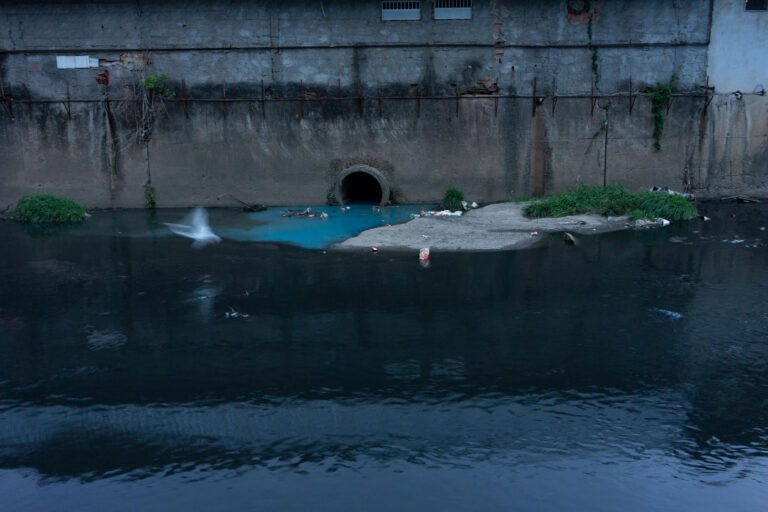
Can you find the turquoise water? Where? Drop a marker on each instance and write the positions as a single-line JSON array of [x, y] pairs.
[[316, 232], [236, 225]]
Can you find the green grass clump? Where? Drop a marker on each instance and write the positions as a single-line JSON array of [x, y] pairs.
[[610, 202], [45, 208], [452, 199], [666, 206]]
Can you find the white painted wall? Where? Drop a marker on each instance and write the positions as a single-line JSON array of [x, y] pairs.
[[738, 51]]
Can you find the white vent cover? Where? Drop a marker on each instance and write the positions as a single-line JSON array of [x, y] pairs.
[[400, 11], [453, 9], [76, 61]]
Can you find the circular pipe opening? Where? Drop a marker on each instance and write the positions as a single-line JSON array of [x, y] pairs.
[[360, 187], [362, 184]]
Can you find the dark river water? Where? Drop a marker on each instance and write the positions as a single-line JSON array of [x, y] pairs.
[[627, 373]]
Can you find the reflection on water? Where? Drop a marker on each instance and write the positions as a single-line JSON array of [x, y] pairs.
[[552, 379]]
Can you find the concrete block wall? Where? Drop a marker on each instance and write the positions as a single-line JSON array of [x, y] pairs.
[[290, 151]]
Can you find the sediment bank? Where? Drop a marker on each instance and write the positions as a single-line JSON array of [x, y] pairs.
[[499, 226]]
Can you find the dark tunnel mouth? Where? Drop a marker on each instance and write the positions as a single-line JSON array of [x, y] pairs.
[[361, 187]]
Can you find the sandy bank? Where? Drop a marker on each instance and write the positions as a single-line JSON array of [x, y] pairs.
[[493, 227]]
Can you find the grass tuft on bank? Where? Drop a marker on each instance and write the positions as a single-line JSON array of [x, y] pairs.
[[452, 200], [45, 208], [611, 202]]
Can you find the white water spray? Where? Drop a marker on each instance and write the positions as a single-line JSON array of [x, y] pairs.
[[195, 226]]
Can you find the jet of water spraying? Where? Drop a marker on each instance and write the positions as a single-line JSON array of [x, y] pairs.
[[195, 226]]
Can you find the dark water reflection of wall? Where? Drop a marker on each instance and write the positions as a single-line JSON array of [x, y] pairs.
[[116, 354]]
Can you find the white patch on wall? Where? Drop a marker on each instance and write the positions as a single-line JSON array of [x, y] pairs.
[[737, 59], [76, 62], [453, 9]]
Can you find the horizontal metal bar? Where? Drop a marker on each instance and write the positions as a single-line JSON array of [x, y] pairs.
[[357, 98], [532, 46]]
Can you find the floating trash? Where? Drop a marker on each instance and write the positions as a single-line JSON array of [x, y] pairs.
[[233, 313], [667, 313]]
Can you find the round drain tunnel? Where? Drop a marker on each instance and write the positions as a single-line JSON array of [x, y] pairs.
[[360, 187], [362, 184]]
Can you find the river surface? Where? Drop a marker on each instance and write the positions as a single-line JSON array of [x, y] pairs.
[[627, 373]]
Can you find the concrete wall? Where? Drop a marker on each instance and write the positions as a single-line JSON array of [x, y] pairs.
[[291, 151], [738, 60]]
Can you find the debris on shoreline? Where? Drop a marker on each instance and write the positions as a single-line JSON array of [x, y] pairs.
[[441, 213], [307, 212], [499, 226]]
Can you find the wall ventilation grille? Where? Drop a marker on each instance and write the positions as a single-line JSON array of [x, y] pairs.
[[453, 9], [76, 61], [400, 11]]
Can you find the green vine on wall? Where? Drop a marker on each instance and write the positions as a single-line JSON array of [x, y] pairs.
[[660, 96], [153, 91], [156, 84], [149, 197]]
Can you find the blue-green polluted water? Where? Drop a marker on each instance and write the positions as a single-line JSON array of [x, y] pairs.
[[231, 224], [317, 232]]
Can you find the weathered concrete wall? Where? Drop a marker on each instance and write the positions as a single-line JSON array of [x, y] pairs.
[[291, 151], [738, 60]]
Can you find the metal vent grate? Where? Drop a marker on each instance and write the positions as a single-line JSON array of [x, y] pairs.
[[453, 9], [402, 11]]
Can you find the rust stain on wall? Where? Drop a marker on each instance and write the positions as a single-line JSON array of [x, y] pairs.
[[538, 176]]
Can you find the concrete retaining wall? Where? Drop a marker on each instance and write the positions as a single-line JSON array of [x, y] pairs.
[[289, 152]]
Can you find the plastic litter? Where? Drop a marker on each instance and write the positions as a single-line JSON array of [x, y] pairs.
[[424, 257], [686, 195], [233, 313], [441, 213], [669, 314], [662, 222], [307, 212], [475, 205], [570, 239], [297, 213], [374, 249], [534, 233]]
